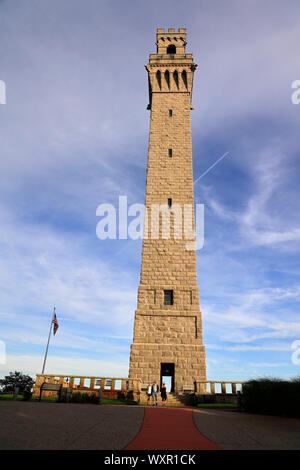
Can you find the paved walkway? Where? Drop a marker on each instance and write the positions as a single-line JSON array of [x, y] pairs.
[[170, 429], [60, 426], [33, 425], [232, 430]]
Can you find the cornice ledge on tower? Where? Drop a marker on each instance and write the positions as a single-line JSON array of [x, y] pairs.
[[172, 64]]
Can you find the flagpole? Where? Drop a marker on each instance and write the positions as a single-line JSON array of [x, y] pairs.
[[46, 353]]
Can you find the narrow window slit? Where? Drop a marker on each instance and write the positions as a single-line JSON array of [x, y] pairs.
[[168, 297]]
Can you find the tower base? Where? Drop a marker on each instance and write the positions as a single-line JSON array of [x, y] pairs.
[[184, 363]]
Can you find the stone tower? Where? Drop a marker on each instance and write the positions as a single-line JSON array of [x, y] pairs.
[[168, 327]]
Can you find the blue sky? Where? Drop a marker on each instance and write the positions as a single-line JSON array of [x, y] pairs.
[[74, 134]]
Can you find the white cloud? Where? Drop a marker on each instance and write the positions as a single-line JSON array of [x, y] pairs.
[[259, 348], [62, 365], [254, 316], [48, 269], [261, 223], [74, 134]]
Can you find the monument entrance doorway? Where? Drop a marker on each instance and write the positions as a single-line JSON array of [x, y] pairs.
[[167, 372]]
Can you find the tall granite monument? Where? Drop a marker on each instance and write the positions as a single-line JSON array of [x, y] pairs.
[[167, 338]]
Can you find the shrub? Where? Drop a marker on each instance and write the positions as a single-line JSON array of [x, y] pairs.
[[129, 395], [272, 396], [78, 397], [27, 394], [16, 379]]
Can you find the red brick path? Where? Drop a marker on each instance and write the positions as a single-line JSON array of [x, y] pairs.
[[170, 429]]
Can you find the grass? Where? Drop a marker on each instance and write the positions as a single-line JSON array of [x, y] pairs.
[[218, 405], [117, 401], [9, 396], [105, 401], [53, 399]]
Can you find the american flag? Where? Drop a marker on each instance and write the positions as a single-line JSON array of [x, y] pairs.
[[55, 324]]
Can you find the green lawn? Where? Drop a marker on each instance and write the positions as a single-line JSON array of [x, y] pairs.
[[105, 401], [111, 401], [9, 396], [217, 405], [53, 399]]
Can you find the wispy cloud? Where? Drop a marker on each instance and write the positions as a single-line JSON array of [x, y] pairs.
[[66, 366], [259, 222], [74, 134]]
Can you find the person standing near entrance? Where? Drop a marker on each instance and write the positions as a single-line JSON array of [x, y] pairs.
[[163, 393], [149, 393], [155, 390]]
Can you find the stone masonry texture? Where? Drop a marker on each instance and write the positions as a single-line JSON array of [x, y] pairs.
[[169, 333]]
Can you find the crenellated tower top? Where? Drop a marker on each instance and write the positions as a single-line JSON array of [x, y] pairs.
[[170, 70], [171, 42]]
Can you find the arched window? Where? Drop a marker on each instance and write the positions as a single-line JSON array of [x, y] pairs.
[[171, 49], [167, 78], [184, 78], [158, 77], [175, 75]]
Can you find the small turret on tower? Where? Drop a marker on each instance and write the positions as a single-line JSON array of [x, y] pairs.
[[171, 42]]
